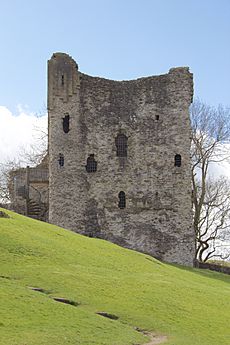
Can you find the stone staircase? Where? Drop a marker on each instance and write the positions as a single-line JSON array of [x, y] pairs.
[[36, 210]]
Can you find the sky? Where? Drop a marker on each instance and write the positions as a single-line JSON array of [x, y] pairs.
[[115, 39], [19, 133]]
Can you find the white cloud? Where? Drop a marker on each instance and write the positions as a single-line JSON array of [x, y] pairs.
[[219, 169], [222, 168], [18, 130]]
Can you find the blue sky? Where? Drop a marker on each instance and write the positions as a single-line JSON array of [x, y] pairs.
[[116, 39]]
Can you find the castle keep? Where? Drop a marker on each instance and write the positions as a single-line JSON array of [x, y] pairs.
[[119, 158], [118, 163]]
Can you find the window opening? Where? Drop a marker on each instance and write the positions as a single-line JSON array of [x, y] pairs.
[[122, 200], [62, 79], [177, 160], [157, 117], [91, 164], [121, 144], [66, 123], [61, 160]]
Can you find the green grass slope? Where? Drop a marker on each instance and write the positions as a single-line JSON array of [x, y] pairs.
[[191, 307]]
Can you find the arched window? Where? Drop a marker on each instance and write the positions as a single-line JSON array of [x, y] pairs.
[[65, 123], [122, 200], [121, 144], [61, 160], [91, 164], [177, 162]]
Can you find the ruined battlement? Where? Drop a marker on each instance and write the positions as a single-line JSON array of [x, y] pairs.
[[120, 158]]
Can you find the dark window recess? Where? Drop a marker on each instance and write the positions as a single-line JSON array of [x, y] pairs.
[[157, 117], [122, 200], [121, 144], [177, 160], [66, 123], [91, 164], [61, 160], [62, 80]]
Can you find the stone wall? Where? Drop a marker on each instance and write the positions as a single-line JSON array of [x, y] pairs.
[[213, 267], [28, 189], [153, 114]]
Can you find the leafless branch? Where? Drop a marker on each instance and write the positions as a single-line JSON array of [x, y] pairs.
[[211, 198]]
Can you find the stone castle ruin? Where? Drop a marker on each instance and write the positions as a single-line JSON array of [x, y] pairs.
[[29, 188], [119, 158]]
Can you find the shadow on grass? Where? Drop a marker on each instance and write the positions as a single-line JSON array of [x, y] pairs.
[[57, 299], [205, 273]]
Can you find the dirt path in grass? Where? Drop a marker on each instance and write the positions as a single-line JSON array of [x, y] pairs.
[[155, 339]]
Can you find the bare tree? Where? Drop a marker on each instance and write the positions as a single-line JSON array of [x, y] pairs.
[[210, 139], [32, 156], [214, 222], [4, 190], [37, 151], [6, 168]]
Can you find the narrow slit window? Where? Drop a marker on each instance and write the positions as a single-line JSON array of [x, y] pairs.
[[121, 144], [61, 160], [157, 117], [65, 122], [122, 200], [91, 164], [177, 160], [62, 79]]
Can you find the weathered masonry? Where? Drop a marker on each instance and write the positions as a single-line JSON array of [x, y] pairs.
[[28, 189], [119, 158]]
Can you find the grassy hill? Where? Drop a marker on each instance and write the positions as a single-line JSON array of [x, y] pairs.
[[190, 306]]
